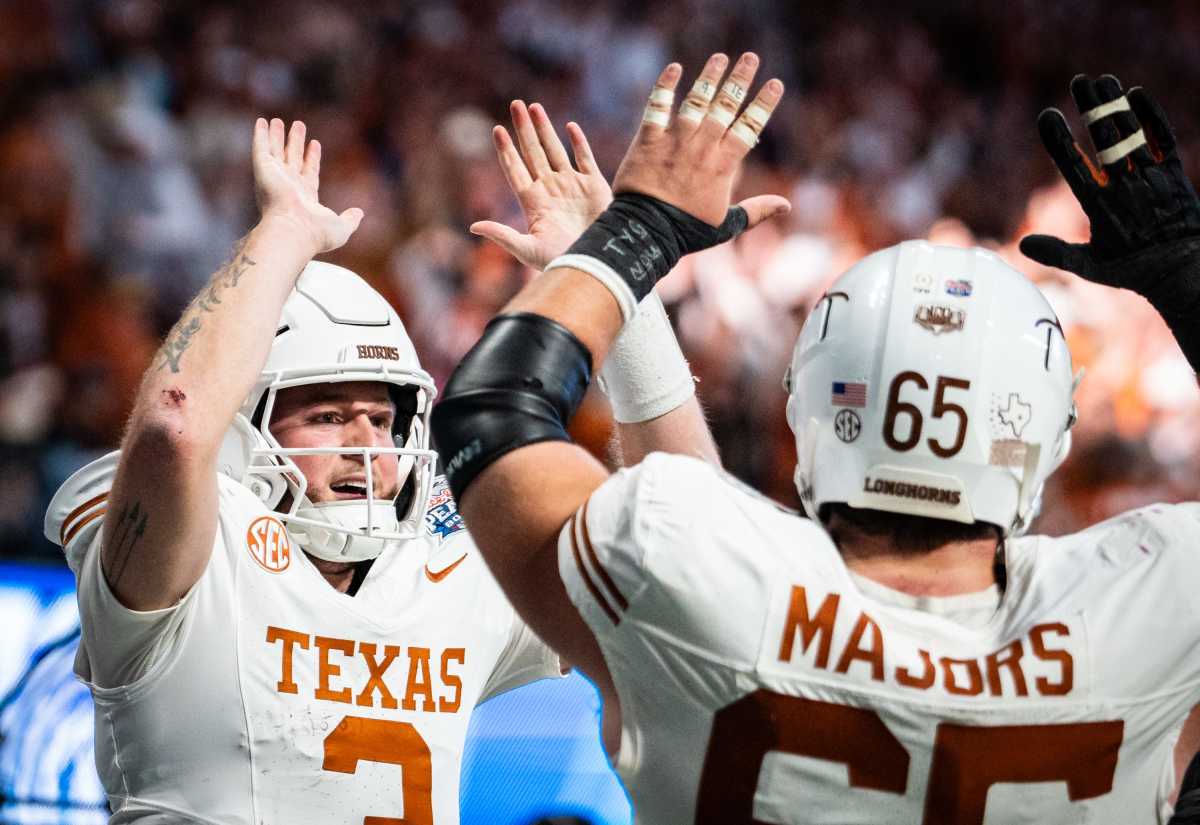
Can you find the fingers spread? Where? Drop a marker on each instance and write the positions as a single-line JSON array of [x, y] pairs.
[[585, 161], [276, 138], [556, 153], [345, 226], [1051, 251], [507, 238], [510, 162], [311, 170], [527, 138], [1077, 170], [1154, 121], [262, 141], [695, 105], [730, 98], [762, 207], [1114, 130], [744, 133], [294, 151], [662, 98]]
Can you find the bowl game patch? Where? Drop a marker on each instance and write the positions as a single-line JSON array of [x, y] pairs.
[[442, 518]]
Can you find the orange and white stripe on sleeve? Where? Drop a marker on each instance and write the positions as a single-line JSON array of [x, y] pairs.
[[78, 507], [603, 548]]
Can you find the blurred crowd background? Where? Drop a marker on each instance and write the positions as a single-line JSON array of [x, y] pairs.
[[125, 180]]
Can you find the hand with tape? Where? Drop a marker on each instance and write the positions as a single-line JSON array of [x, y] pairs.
[[674, 186], [690, 162], [645, 374], [1144, 213], [559, 200]]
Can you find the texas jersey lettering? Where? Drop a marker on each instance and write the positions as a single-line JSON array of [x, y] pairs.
[[761, 681], [266, 696]]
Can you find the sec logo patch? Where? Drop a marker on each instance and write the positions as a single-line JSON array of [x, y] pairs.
[[269, 544], [847, 425]]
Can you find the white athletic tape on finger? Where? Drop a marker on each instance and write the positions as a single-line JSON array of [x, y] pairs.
[[1105, 109], [703, 90], [691, 113], [745, 133], [658, 108], [735, 91], [603, 273], [665, 97], [721, 115], [1117, 151], [656, 117], [756, 116]]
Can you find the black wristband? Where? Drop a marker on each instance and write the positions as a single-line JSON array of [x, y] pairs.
[[640, 238]]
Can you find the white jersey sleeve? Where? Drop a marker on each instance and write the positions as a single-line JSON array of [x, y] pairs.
[[120, 645], [650, 527]]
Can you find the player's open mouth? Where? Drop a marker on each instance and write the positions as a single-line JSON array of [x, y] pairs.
[[349, 490]]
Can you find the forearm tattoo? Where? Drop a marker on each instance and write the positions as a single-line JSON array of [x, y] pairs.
[[130, 527], [181, 335]]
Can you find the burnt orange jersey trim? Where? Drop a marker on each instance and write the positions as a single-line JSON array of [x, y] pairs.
[[91, 502], [587, 578], [83, 522], [609, 584]]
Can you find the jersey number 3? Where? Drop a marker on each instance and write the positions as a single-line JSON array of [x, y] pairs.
[[967, 760], [357, 738]]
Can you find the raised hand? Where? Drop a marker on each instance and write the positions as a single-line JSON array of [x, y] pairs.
[[1144, 212], [286, 179], [690, 161], [558, 200]]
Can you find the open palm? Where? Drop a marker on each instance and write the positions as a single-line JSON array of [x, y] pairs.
[[287, 175], [559, 200]]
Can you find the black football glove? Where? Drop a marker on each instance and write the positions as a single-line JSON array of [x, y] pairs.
[[1144, 212]]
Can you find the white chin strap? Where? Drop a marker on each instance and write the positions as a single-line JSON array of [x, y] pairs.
[[337, 530]]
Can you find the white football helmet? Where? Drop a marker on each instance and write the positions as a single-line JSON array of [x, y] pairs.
[[335, 328], [932, 381]]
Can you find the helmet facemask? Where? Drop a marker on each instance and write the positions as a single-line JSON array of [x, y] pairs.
[[335, 328], [354, 529]]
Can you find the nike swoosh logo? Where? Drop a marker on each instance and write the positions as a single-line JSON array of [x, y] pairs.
[[444, 572]]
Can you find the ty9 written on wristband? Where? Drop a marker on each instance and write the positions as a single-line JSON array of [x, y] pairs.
[[637, 240]]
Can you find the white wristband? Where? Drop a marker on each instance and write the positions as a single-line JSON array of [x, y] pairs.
[[645, 374], [603, 273]]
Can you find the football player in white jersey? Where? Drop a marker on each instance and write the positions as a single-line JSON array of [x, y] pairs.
[[903, 655], [283, 619]]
